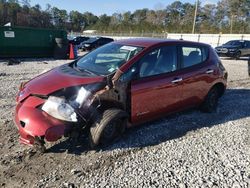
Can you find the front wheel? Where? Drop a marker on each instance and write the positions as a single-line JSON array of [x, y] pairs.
[[211, 101], [110, 125], [237, 55]]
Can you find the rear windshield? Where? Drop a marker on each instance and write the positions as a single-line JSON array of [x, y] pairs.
[[107, 59]]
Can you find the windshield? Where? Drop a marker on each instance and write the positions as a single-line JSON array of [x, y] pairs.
[[107, 59], [234, 43]]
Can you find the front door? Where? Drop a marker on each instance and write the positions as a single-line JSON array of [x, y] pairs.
[[157, 90], [245, 49]]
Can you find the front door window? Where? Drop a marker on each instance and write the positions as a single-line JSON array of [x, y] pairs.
[[158, 61]]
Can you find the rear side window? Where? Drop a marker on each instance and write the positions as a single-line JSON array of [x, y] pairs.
[[193, 55]]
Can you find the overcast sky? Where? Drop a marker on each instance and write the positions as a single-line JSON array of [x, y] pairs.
[[109, 7]]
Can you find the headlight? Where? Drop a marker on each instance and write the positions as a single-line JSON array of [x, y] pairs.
[[58, 108], [86, 45], [232, 50]]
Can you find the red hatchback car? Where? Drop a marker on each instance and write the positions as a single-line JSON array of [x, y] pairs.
[[119, 85]]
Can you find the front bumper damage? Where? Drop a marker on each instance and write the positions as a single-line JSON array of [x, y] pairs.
[[36, 125], [44, 116], [32, 122]]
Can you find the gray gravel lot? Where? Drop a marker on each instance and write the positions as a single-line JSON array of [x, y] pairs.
[[188, 149]]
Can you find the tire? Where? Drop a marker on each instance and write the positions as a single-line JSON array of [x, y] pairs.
[[237, 55], [110, 125], [211, 101]]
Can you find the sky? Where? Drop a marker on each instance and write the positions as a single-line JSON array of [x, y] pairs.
[[109, 7]]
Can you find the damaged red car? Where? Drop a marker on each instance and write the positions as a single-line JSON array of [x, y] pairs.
[[119, 85]]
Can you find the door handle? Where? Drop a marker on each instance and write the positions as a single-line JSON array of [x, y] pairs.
[[176, 80], [209, 71]]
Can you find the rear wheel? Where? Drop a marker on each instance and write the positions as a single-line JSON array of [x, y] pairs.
[[109, 126], [211, 101]]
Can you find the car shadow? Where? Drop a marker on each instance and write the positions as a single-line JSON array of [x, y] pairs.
[[234, 105]]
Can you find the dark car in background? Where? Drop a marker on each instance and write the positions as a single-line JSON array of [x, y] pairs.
[[234, 49], [117, 86], [78, 40], [94, 42]]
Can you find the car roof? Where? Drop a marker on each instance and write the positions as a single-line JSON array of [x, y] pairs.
[[239, 40], [93, 39], [147, 42]]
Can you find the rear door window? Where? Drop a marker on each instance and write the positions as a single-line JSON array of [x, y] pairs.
[[193, 55]]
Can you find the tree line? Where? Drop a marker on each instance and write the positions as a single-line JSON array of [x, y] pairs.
[[227, 16]]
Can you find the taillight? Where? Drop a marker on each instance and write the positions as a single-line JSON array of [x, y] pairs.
[[226, 75], [221, 66]]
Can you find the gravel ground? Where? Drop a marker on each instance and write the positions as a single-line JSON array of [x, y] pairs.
[[188, 149]]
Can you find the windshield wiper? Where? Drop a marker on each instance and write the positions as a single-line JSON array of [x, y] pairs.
[[85, 70]]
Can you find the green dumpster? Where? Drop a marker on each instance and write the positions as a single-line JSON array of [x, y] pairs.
[[28, 42]]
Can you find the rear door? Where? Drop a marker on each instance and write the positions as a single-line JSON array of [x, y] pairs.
[[157, 90], [197, 74], [246, 49]]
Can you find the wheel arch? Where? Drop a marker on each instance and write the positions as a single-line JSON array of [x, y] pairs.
[[106, 104], [221, 88], [98, 127]]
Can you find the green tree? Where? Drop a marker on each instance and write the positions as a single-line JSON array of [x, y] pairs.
[[78, 21], [59, 17], [208, 21], [103, 23], [232, 15], [90, 19], [226, 16], [25, 3]]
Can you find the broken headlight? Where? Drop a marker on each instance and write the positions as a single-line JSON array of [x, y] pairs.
[[58, 108]]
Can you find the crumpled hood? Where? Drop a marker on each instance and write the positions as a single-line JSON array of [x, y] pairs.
[[57, 79]]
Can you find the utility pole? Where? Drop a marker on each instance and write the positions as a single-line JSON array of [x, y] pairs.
[[231, 24], [195, 15]]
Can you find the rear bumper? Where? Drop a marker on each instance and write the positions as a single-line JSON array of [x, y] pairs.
[[33, 122]]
